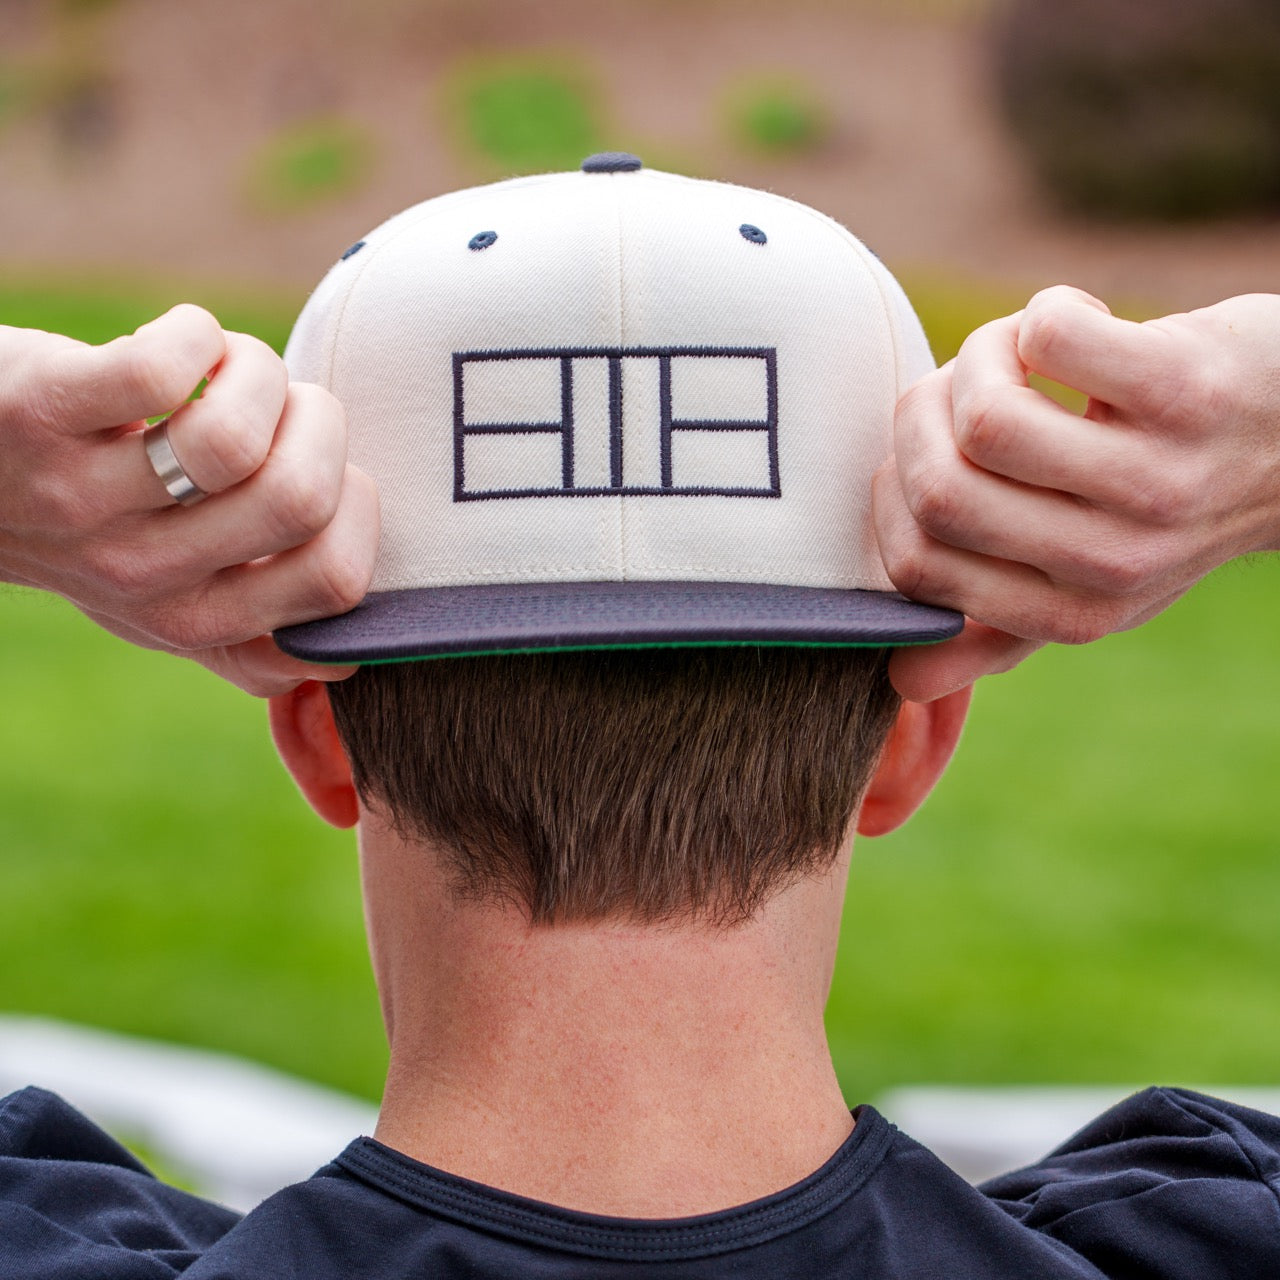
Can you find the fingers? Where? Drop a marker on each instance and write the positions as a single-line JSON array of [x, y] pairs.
[[219, 440], [289, 500], [295, 541], [261, 669], [225, 436], [328, 575], [924, 673], [1005, 594], [77, 388], [1003, 425], [288, 534], [224, 620], [1048, 526], [1072, 338], [952, 500]]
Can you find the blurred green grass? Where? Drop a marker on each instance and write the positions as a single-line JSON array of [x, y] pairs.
[[1092, 894], [100, 307]]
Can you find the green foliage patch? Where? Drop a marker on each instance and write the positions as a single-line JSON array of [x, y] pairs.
[[15, 92], [776, 115], [524, 115], [310, 163]]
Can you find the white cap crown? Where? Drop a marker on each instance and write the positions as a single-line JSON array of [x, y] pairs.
[[616, 376]]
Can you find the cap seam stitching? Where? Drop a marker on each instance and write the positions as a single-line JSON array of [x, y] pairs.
[[621, 335]]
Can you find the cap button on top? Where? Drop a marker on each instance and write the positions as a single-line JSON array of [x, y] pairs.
[[612, 162]]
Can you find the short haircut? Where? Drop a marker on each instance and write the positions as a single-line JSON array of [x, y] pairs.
[[645, 785]]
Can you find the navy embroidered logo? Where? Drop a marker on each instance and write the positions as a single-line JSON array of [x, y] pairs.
[[585, 422]]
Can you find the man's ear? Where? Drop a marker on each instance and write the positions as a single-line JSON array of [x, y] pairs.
[[920, 744], [307, 740]]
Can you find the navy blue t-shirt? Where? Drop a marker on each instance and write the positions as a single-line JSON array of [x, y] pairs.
[[1169, 1185]]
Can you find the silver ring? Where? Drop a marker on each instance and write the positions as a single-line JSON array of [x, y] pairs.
[[164, 462]]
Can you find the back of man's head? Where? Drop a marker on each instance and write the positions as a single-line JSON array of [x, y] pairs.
[[646, 785], [624, 425]]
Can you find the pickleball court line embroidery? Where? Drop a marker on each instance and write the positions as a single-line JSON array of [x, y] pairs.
[[668, 424]]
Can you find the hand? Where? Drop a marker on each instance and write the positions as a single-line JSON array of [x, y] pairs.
[[1042, 525], [289, 534]]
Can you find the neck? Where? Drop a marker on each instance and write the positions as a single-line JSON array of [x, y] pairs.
[[657, 1071]]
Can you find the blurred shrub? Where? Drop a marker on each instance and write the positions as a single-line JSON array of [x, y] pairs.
[[1149, 108], [82, 102], [523, 115], [85, 8], [15, 92], [310, 163], [777, 115]]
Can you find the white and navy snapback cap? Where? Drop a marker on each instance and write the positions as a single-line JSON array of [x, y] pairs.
[[615, 408]]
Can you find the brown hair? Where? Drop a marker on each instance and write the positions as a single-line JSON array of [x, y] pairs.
[[650, 785]]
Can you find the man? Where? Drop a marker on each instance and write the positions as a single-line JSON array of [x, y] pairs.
[[577, 1046]]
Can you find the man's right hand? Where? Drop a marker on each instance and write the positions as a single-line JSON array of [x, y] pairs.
[[288, 534], [1042, 525]]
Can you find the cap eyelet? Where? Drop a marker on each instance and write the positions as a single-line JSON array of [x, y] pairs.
[[482, 240], [754, 234]]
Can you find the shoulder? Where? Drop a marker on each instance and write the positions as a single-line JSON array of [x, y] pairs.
[[1185, 1184], [74, 1202]]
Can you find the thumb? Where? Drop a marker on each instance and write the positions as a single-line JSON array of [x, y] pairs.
[[924, 673]]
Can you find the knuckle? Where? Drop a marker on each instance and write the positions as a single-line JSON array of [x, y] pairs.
[[1209, 391], [1049, 319], [261, 364], [299, 503], [914, 400], [124, 570], [984, 428], [908, 568], [932, 500], [57, 502], [1040, 330], [235, 446], [1119, 570], [343, 581], [188, 623], [1086, 622], [1116, 569], [1121, 575], [158, 376], [202, 323], [1164, 501], [319, 408]]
